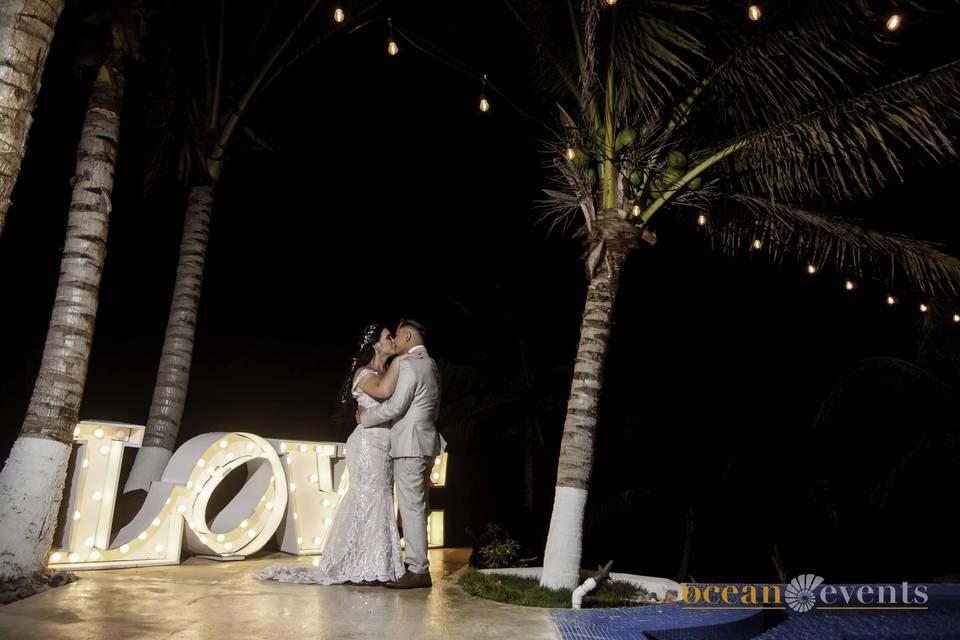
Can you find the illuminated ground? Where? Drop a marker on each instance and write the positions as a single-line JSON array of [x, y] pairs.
[[208, 599]]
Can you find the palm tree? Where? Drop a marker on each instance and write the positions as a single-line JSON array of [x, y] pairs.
[[199, 149], [26, 30], [31, 483], [669, 106]]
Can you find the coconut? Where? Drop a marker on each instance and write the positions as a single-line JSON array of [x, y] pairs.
[[677, 160], [695, 184], [625, 138], [636, 178], [670, 176]]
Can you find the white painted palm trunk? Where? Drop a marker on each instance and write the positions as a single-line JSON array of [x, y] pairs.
[[26, 30], [31, 487], [34, 475], [173, 375], [564, 549]]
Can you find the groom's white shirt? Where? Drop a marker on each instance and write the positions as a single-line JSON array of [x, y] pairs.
[[413, 408]]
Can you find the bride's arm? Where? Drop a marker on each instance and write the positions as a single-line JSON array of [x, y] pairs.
[[382, 387]]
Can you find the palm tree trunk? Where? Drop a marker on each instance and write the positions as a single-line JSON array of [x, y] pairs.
[[31, 483], [26, 30], [612, 242], [170, 391]]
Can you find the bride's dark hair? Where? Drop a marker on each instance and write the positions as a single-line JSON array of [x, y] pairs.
[[364, 354]]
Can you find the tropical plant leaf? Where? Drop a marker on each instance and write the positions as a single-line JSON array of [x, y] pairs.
[[822, 239]]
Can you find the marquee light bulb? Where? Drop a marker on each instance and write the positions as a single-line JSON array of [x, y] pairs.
[[223, 444], [220, 537], [86, 463], [76, 515], [76, 431], [316, 540], [143, 536], [97, 496], [94, 555], [98, 433], [249, 446], [88, 542], [299, 540], [252, 533], [313, 477], [243, 525], [269, 506], [327, 521], [326, 503], [55, 557], [228, 546], [104, 449], [124, 548], [73, 557], [156, 522], [200, 462], [303, 448]]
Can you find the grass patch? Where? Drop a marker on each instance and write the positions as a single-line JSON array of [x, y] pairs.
[[528, 592]]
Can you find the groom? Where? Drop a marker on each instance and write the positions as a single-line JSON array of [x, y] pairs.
[[414, 443]]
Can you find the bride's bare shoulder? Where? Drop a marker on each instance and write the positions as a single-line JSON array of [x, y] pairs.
[[363, 372]]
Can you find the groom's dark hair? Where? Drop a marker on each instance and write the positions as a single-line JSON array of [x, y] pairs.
[[416, 326]]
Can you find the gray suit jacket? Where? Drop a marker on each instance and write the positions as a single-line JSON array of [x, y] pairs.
[[413, 408]]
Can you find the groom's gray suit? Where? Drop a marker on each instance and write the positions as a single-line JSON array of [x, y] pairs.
[[414, 443]]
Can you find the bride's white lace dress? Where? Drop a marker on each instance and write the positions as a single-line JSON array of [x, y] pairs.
[[363, 543]]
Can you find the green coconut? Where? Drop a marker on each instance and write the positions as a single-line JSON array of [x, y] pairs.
[[625, 138], [677, 160], [695, 184], [636, 178], [670, 176]]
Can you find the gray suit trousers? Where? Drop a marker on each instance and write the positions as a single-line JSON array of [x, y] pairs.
[[412, 476]]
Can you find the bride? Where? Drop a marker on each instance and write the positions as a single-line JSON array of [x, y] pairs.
[[363, 546]]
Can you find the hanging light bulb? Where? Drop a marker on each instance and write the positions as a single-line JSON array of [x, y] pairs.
[[636, 211], [339, 15], [811, 269], [392, 47], [956, 317], [754, 12], [924, 308], [849, 285], [891, 300], [893, 22], [701, 220], [610, 2], [757, 244], [570, 154], [484, 103]]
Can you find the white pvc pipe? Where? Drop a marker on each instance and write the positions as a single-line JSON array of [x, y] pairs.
[[577, 599]]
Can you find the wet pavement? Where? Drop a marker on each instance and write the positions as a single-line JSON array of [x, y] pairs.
[[211, 599]]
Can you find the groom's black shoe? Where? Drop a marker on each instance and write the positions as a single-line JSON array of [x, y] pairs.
[[411, 580]]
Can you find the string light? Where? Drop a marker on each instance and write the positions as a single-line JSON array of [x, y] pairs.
[[701, 220], [891, 300], [392, 47], [849, 285], [339, 15], [757, 244], [956, 317], [636, 211], [484, 103], [811, 269], [924, 308], [893, 22], [610, 2], [754, 12], [570, 154]]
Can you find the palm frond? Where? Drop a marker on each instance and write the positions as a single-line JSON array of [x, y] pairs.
[[851, 147], [820, 239], [803, 58]]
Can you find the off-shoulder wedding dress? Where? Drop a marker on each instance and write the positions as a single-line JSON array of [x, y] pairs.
[[363, 544]]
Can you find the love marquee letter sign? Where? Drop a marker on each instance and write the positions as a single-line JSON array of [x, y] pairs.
[[291, 492]]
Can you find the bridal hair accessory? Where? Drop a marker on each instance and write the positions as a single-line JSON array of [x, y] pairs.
[[368, 337]]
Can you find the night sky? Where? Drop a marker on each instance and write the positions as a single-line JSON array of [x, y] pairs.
[[388, 194]]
